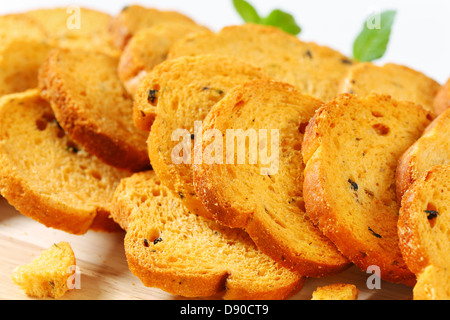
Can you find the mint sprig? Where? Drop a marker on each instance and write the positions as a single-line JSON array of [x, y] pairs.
[[372, 42], [277, 18]]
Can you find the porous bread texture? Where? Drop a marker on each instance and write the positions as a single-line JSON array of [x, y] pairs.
[[431, 149], [19, 26], [133, 18], [48, 177], [20, 61], [93, 107], [47, 275], [351, 148], [398, 81], [433, 283], [131, 192], [76, 27], [23, 48], [313, 69], [424, 221], [269, 205], [442, 99], [336, 291], [184, 254], [148, 48], [175, 95]]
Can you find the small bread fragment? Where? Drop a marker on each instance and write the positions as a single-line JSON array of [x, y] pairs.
[[442, 99], [337, 291], [75, 27], [184, 254], [398, 81], [424, 221], [264, 197], [148, 48], [313, 69], [93, 107], [433, 283], [45, 175], [175, 95], [431, 149], [133, 18], [48, 274], [351, 149], [24, 46]]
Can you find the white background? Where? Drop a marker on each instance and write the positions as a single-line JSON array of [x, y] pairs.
[[420, 37]]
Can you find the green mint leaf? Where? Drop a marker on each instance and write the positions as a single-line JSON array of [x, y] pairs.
[[246, 11], [371, 43], [282, 20]]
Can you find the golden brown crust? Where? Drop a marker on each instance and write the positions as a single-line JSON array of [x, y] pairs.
[[371, 237], [442, 99], [184, 254], [135, 17], [421, 156], [336, 291], [148, 48], [81, 112], [279, 54], [185, 89], [75, 27], [398, 81], [423, 238], [276, 223], [45, 211], [44, 149]]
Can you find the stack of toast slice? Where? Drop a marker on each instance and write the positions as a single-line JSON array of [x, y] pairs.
[[238, 162]]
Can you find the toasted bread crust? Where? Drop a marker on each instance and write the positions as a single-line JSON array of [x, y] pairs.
[[135, 17], [398, 81], [121, 148], [361, 244], [418, 239], [278, 53], [409, 169], [33, 198], [187, 88], [227, 206], [220, 264], [442, 99], [148, 48]]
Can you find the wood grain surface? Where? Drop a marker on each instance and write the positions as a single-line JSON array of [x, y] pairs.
[[104, 270]]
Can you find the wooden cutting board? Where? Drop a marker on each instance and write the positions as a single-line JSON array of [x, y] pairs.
[[104, 270]]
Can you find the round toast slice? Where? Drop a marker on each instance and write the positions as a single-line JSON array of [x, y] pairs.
[[442, 99], [245, 187], [24, 46], [181, 253], [313, 69], [431, 149], [133, 18], [148, 48], [75, 27], [45, 175], [93, 107], [424, 221], [351, 148], [177, 94], [398, 81]]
